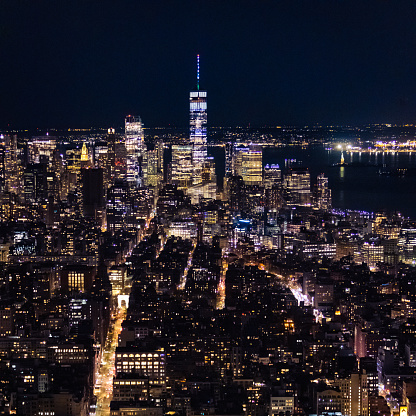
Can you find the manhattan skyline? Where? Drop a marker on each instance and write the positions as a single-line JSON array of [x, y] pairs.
[[238, 271]]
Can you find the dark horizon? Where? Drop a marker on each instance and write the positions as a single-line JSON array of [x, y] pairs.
[[262, 64]]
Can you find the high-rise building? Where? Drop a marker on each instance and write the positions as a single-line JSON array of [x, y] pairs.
[[93, 195], [135, 148], [85, 157], [118, 207], [153, 164], [248, 164], [298, 186], [35, 182], [41, 148], [182, 168], [116, 157], [198, 128], [11, 163], [272, 175], [354, 394], [323, 193]]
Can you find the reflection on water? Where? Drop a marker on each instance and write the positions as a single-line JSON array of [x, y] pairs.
[[341, 196], [357, 187]]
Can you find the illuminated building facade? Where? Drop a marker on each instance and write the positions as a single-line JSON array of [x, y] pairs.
[[298, 186], [248, 164], [133, 129], [323, 193], [272, 175], [77, 278], [79, 310], [198, 128], [329, 401], [117, 276], [35, 182], [182, 167], [153, 164], [354, 394], [282, 405], [41, 148], [11, 165], [149, 364], [118, 207], [130, 387]]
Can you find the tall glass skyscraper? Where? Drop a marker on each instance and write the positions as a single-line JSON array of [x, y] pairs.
[[135, 147], [198, 128]]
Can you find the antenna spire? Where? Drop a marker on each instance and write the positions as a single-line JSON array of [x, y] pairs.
[[197, 71]]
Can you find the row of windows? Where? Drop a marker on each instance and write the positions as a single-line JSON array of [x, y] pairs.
[[137, 355]]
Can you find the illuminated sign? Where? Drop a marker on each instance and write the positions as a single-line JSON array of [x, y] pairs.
[[403, 410]]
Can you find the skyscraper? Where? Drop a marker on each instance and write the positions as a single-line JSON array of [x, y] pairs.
[[323, 193], [298, 186], [93, 195], [182, 168], [153, 164], [198, 128], [248, 164], [135, 148]]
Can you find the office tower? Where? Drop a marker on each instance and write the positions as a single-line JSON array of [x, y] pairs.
[[153, 164], [272, 178], [101, 160], [248, 164], [119, 208], [208, 171], [229, 154], [135, 148], [272, 175], [323, 193], [198, 128], [41, 148], [93, 195], [116, 157], [35, 182], [298, 186], [182, 167], [118, 277], [73, 160], [354, 393], [120, 161], [11, 163], [79, 309], [85, 157]]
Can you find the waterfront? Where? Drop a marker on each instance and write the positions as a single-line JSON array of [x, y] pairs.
[[358, 187]]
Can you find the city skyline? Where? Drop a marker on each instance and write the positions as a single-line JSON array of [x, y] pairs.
[[266, 64], [171, 272]]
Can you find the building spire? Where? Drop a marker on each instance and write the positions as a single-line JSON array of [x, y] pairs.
[[197, 72]]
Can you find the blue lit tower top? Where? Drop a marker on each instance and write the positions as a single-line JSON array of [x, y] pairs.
[[197, 72], [198, 127]]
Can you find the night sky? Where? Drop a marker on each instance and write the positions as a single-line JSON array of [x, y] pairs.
[[89, 63]]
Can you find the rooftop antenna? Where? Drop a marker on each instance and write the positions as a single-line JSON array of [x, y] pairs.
[[197, 71]]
